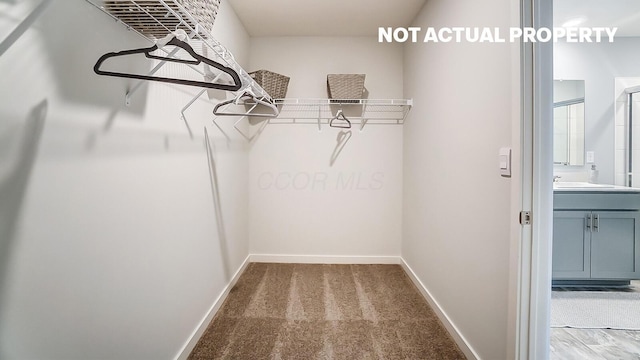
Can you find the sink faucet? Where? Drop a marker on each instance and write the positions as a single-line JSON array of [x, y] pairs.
[[556, 178]]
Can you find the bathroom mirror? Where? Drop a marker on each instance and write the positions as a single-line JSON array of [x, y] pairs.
[[568, 122]]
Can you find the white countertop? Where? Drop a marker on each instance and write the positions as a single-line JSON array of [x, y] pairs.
[[588, 187]]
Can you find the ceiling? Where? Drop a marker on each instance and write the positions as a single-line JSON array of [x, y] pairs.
[[323, 17], [363, 17], [624, 14]]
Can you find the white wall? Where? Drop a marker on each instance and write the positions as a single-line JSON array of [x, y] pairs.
[[301, 201], [457, 208], [598, 64], [113, 242]]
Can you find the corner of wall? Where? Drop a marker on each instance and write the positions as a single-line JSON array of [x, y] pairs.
[[188, 347], [452, 329]]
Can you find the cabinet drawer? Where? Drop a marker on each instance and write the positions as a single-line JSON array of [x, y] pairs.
[[577, 200]]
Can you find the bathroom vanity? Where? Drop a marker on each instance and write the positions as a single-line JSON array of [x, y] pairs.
[[596, 234]]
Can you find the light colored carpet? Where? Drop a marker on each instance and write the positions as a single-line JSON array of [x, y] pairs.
[[306, 312], [595, 310]]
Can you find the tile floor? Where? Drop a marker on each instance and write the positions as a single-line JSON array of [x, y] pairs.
[[588, 344]]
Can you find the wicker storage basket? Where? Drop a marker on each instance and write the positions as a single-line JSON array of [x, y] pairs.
[[152, 19], [345, 86], [274, 84]]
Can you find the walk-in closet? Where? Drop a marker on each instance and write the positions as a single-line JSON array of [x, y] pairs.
[[239, 179]]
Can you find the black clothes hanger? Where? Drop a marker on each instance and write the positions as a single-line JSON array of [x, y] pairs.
[[197, 59], [343, 124]]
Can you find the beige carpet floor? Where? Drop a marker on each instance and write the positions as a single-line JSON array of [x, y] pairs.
[[304, 311]]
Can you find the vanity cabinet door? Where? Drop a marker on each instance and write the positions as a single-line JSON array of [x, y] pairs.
[[615, 245], [571, 245]]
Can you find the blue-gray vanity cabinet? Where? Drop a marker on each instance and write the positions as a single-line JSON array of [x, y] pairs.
[[596, 236]]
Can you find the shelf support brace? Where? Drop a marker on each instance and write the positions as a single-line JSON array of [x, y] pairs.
[[183, 116], [127, 97], [363, 122]]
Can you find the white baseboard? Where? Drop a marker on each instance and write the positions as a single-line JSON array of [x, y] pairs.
[[183, 354], [325, 259], [446, 321]]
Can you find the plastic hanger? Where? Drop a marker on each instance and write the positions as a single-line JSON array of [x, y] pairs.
[[343, 124], [172, 40], [246, 98]]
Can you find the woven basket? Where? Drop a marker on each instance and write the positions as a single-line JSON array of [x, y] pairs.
[[345, 86], [152, 19], [274, 84]]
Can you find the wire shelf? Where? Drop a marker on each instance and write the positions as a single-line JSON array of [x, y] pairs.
[[142, 15], [389, 111], [153, 19]]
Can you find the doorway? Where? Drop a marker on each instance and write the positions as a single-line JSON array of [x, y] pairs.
[[628, 97], [606, 160]]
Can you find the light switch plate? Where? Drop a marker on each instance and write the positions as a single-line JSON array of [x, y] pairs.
[[591, 157], [504, 161]]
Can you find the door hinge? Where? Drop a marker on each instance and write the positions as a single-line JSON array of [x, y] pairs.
[[525, 217]]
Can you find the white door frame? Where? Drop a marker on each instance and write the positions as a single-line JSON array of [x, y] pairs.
[[534, 289]]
